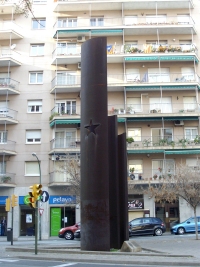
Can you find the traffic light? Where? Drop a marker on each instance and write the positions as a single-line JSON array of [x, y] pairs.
[[31, 200], [7, 204], [14, 201], [37, 191]]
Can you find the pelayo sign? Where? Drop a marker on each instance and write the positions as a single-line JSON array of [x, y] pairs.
[[62, 200]]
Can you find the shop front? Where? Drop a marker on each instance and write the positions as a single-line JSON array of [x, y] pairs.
[[136, 207], [3, 212], [27, 218]]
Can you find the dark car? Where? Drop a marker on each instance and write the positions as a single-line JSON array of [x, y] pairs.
[[147, 226], [68, 232], [187, 226], [77, 234]]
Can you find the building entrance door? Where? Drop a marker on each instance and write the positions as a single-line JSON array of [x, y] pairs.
[[167, 212]]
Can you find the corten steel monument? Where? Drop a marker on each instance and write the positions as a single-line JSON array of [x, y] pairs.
[[103, 157], [95, 221]]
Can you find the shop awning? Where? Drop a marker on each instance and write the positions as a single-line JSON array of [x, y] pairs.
[[145, 151], [183, 152]]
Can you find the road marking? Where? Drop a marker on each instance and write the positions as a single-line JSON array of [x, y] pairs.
[[5, 260], [64, 265]]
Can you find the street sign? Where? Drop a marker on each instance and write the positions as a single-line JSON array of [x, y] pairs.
[[41, 211], [44, 196], [26, 199]]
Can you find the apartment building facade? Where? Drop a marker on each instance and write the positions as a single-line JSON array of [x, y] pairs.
[[153, 88]]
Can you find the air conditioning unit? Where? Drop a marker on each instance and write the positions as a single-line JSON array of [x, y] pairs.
[[81, 39], [79, 65], [178, 123]]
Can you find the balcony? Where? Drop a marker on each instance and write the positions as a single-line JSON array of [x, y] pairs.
[[95, 5], [140, 81], [7, 147], [9, 57], [9, 7], [7, 180], [64, 145], [57, 178], [128, 25], [9, 29], [8, 115], [8, 85], [119, 53], [169, 145]]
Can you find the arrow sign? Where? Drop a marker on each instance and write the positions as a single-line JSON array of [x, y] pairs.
[[44, 196]]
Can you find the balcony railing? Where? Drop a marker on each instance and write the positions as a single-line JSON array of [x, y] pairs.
[[8, 113], [7, 178], [128, 49], [72, 143], [9, 83], [5, 53], [133, 21], [130, 78], [133, 109], [7, 145], [9, 25], [165, 141], [58, 177]]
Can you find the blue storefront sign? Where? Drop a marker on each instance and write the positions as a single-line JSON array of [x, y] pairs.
[[3, 200], [62, 200]]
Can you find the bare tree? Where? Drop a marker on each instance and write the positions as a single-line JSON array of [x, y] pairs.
[[71, 167], [21, 6], [184, 184]]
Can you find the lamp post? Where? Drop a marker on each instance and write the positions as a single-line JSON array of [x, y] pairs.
[[35, 155]]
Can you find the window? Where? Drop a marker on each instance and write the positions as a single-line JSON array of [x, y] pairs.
[[156, 75], [134, 103], [163, 167], [186, 45], [67, 22], [97, 22], [160, 105], [68, 48], [65, 138], [4, 108], [3, 137], [188, 74], [66, 107], [2, 167], [189, 103], [135, 133], [155, 19], [130, 20], [32, 168], [191, 133], [37, 50], [36, 77], [132, 75], [34, 106], [161, 137], [138, 168], [38, 24], [39, 1], [183, 19], [4, 78], [193, 163], [33, 136], [66, 78]]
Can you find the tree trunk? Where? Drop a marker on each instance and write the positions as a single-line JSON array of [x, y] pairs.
[[195, 219]]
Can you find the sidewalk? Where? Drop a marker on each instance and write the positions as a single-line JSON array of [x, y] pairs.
[[176, 251]]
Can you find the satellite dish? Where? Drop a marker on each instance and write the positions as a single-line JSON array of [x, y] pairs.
[[13, 46]]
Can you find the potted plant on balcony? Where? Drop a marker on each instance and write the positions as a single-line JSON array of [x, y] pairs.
[[129, 140], [5, 179], [155, 176], [53, 115], [197, 140]]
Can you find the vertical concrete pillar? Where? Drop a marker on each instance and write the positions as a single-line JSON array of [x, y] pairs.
[[95, 225]]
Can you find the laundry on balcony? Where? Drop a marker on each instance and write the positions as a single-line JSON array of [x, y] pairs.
[[145, 78], [110, 49], [182, 79]]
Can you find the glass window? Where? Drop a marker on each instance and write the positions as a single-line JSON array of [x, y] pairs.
[[134, 104], [163, 167], [156, 75], [37, 50], [183, 19], [130, 20], [155, 18], [2, 167], [33, 136], [66, 107], [191, 133], [96, 22], [160, 105], [36, 77], [3, 137], [38, 24], [161, 136], [135, 133], [32, 168], [65, 138], [137, 167], [34, 106], [189, 103]]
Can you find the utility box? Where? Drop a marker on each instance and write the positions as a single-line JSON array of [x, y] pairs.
[[9, 234]]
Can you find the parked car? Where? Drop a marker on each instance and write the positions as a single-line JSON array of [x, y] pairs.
[[77, 234], [147, 226], [68, 232], [187, 226]]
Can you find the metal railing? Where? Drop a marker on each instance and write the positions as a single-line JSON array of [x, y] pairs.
[[10, 83], [72, 143], [8, 113], [7, 145], [71, 79], [141, 21], [9, 25], [5, 52], [58, 177], [7, 178]]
